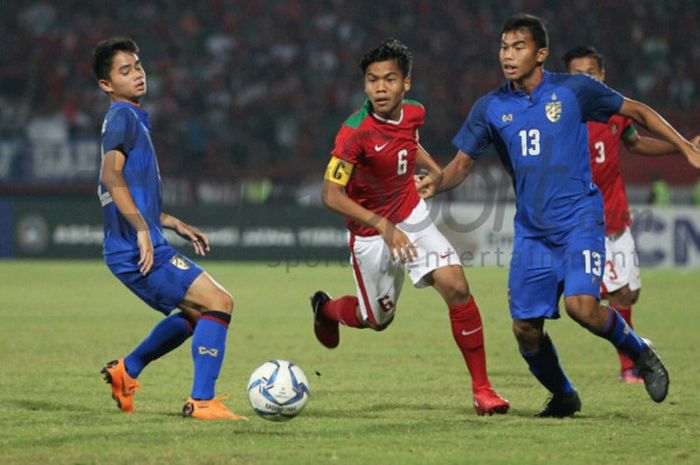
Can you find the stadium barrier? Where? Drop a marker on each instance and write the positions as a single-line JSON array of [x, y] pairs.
[[292, 235]]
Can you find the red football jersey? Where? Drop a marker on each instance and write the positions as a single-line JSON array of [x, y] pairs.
[[384, 155], [604, 141]]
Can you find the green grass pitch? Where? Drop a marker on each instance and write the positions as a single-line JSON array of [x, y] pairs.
[[397, 397]]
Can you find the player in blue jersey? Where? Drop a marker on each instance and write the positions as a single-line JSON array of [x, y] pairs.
[[137, 253], [536, 121]]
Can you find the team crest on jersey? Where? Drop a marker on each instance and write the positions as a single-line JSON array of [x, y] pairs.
[[180, 263], [553, 110]]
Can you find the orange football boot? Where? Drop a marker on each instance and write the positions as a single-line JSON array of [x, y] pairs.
[[123, 385], [212, 409]]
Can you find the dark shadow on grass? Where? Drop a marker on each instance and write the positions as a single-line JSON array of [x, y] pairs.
[[44, 406], [373, 411]]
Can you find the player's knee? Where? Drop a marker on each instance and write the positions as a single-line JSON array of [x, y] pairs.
[[458, 292], [634, 297], [527, 335], [624, 297], [582, 308], [222, 302], [452, 285]]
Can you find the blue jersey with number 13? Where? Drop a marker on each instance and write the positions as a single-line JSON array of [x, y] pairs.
[[542, 140]]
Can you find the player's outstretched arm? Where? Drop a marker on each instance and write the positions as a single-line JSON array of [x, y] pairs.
[[198, 238], [112, 178], [427, 184], [649, 119], [696, 141], [456, 171], [335, 198], [650, 146]]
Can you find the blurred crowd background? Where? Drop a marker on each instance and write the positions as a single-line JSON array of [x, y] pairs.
[[246, 96]]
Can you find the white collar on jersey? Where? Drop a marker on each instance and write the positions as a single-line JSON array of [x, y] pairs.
[[390, 121]]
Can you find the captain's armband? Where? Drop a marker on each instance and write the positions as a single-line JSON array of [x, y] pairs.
[[339, 171]]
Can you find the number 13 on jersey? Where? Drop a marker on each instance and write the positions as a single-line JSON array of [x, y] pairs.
[[592, 262], [529, 142]]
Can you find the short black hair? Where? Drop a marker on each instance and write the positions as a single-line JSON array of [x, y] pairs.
[[104, 53], [532, 23], [390, 49], [584, 51]]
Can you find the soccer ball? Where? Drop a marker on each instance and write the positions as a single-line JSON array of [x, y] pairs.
[[278, 390]]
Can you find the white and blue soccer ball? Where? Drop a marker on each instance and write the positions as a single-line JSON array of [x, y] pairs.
[[278, 390]]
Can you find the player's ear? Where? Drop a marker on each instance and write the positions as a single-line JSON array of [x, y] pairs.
[[542, 55], [105, 85], [407, 83]]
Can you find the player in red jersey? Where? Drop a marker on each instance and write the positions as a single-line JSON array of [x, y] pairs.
[[621, 281], [370, 181]]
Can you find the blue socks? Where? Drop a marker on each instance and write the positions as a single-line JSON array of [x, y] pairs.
[[621, 335], [167, 335], [544, 364], [208, 347]]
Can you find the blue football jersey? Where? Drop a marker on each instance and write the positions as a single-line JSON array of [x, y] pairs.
[[542, 140], [126, 128]]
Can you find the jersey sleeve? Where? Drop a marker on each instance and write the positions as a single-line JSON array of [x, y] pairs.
[[597, 101], [627, 128], [119, 132], [348, 145], [420, 119], [475, 134]]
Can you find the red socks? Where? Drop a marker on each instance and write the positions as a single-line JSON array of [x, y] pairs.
[[469, 336], [626, 363], [342, 310]]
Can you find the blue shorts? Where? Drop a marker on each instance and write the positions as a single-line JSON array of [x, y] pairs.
[[165, 286], [543, 267]]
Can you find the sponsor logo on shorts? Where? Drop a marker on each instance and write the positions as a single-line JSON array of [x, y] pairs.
[[447, 253], [180, 263]]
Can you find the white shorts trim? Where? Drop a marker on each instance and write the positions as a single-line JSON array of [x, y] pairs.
[[379, 278], [621, 263]]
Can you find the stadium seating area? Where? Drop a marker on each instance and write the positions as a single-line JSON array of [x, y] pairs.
[[252, 88]]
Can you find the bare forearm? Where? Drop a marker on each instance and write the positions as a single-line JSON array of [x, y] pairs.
[[647, 118], [650, 146], [425, 161], [339, 202], [456, 172], [169, 221], [123, 200]]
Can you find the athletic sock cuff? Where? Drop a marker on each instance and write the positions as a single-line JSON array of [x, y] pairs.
[[466, 309], [218, 317]]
